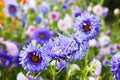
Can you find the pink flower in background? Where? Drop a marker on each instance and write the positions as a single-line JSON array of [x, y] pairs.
[[107, 32], [12, 49], [100, 11], [30, 31], [54, 16], [21, 76], [97, 10], [65, 24]]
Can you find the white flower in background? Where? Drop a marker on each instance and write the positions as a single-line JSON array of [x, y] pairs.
[[116, 11], [104, 40], [105, 51], [97, 67], [75, 67], [89, 8], [93, 43], [12, 49], [66, 23], [30, 31], [91, 78], [21, 76]]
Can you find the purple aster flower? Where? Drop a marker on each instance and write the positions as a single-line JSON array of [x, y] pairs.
[[11, 8], [32, 59], [87, 25], [115, 63], [42, 35], [5, 59], [62, 65], [44, 7], [64, 48]]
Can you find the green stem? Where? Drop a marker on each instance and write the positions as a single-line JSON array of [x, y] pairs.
[[54, 72], [67, 71], [86, 62]]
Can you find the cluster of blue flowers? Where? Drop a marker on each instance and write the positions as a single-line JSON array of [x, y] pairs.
[[35, 58]]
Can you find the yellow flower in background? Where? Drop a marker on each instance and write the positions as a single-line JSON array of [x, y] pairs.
[[1, 4], [22, 1]]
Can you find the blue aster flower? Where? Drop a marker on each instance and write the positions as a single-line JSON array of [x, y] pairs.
[[32, 59], [5, 60], [115, 63], [87, 25], [42, 35], [64, 48], [11, 8]]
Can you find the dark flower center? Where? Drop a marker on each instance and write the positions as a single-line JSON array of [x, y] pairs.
[[42, 36], [11, 8], [3, 59], [86, 27], [34, 58]]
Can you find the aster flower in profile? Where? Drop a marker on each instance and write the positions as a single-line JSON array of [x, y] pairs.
[[42, 35], [87, 25], [115, 66], [62, 65], [5, 60], [65, 48], [32, 59], [11, 8]]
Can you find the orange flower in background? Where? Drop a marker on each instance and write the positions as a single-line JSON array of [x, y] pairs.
[[12, 27], [15, 21], [2, 22], [1, 4], [22, 1]]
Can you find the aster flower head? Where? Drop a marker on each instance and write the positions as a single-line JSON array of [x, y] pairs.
[[42, 35], [33, 59], [115, 66], [5, 60], [64, 48], [87, 24]]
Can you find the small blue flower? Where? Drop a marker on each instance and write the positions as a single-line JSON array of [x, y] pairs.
[[115, 63], [42, 35], [38, 20], [87, 25], [5, 60], [32, 59], [44, 7]]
